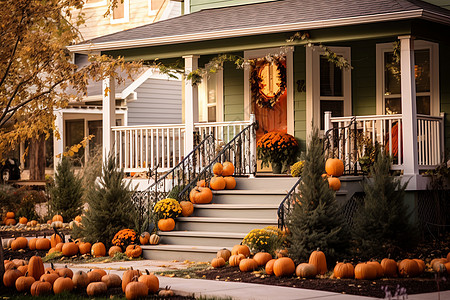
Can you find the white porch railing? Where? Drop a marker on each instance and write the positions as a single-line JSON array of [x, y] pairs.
[[138, 148], [387, 131]]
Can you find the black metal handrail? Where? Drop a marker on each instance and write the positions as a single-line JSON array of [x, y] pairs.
[[335, 141], [237, 151], [178, 177], [285, 205]]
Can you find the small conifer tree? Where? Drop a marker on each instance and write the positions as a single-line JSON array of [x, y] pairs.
[[110, 207], [316, 220], [67, 192], [381, 223]]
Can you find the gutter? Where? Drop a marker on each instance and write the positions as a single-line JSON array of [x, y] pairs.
[[193, 37]]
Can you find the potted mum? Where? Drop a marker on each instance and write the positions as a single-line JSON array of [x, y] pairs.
[[277, 148]]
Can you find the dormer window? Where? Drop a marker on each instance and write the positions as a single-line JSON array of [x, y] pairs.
[[121, 12], [154, 6]]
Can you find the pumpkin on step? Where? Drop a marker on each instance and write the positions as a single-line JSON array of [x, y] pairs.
[[133, 251], [217, 183], [144, 238], [154, 239], [217, 169], [334, 167], [334, 183], [187, 208], [230, 182], [228, 169], [200, 195], [166, 224]]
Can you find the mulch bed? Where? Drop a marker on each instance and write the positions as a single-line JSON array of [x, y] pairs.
[[22, 254], [424, 284]]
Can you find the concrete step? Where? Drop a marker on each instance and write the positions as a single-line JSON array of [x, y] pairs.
[[203, 238], [264, 183], [243, 225], [252, 211], [180, 252], [249, 196]]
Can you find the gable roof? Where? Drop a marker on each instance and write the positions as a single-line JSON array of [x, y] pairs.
[[267, 17]]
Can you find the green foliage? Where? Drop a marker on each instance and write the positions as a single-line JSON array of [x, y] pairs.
[[175, 191], [268, 239], [316, 220], [110, 207], [381, 223], [22, 201], [67, 192]]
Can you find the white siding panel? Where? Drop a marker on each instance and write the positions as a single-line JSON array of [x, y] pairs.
[[158, 102]]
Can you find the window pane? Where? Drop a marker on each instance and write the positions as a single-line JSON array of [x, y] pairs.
[[212, 84], [49, 152], [393, 106], [95, 128], [156, 4], [423, 105], [74, 135], [119, 11], [330, 79], [211, 114], [270, 79], [422, 70], [336, 107], [391, 75]]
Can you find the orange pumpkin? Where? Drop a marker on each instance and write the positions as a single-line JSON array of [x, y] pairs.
[[10, 222], [269, 266], [234, 260], [421, 264], [59, 246], [248, 265], [10, 277], [78, 219], [136, 290], [344, 270], [40, 288], [85, 248], [200, 195], [365, 271], [228, 169], [23, 220], [19, 243], [151, 281], [10, 215], [96, 289], [94, 276], [23, 283], [305, 270], [217, 183], [283, 266], [35, 267], [217, 169], [230, 183], [62, 284], [70, 249], [112, 280], [166, 224], [57, 218], [42, 244], [201, 183], [334, 167], [334, 183], [262, 258], [133, 251], [241, 249], [317, 258], [98, 249], [49, 277], [389, 267], [32, 244], [377, 265], [55, 239], [23, 269], [408, 268], [187, 208], [128, 276], [218, 262], [113, 250], [64, 272], [224, 253], [145, 237], [80, 280]]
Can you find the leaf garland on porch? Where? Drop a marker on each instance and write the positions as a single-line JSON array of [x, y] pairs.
[[256, 81]]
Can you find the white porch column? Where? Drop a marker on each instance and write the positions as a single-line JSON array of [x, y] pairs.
[[409, 111], [190, 103], [58, 144], [108, 114]]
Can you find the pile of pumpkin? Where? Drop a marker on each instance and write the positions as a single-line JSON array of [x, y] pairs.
[[239, 256], [334, 168], [32, 278], [23, 224], [222, 179]]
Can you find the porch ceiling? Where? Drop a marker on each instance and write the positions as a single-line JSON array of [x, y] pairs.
[[265, 18]]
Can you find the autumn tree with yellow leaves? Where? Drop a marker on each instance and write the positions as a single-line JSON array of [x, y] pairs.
[[36, 70]]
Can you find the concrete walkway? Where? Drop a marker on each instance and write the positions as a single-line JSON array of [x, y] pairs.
[[233, 290]]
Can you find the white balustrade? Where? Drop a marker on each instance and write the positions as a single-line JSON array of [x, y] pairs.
[[222, 131], [430, 138]]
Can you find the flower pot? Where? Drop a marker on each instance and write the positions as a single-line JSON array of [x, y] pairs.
[[276, 167]]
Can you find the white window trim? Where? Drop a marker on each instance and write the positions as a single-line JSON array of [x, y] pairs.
[[126, 14], [434, 74], [153, 12], [96, 4], [313, 85], [289, 52], [203, 94]]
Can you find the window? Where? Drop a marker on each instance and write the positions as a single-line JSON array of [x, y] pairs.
[[74, 135], [210, 98], [120, 13], [154, 6], [389, 99], [94, 3]]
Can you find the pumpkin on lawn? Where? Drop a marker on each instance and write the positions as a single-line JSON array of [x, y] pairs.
[[112, 280], [113, 250], [10, 277], [35, 267], [62, 284], [128, 276], [40, 288], [151, 281], [23, 283], [96, 289], [80, 280]]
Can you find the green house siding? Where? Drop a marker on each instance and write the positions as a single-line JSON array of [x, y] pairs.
[[233, 93], [363, 78], [300, 97], [444, 66], [197, 5]]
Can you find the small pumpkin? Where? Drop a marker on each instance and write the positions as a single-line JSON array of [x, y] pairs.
[[262, 258], [59, 246], [408, 268], [241, 249], [10, 222], [217, 169], [248, 265], [344, 270], [283, 266], [10, 215], [334, 167], [439, 267], [224, 253], [305, 270], [85, 248], [64, 272], [145, 237], [200, 195], [10, 277], [70, 249], [19, 243], [135, 290], [365, 271], [98, 249], [218, 262], [113, 250], [230, 183], [35, 267], [421, 264], [151, 281], [389, 267], [42, 244], [281, 253], [49, 277], [227, 169], [40, 288], [269, 266], [32, 243], [187, 208], [334, 183], [23, 220], [318, 259], [55, 239], [234, 260], [128, 276], [62, 284], [23, 283], [377, 265], [133, 251], [167, 292], [23, 269], [201, 183], [78, 219], [166, 224], [80, 280], [154, 239], [217, 183], [112, 280], [96, 289], [57, 218]]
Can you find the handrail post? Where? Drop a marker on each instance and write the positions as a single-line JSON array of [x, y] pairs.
[[327, 121], [252, 166], [442, 141]]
